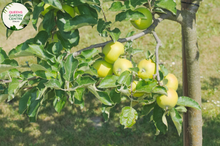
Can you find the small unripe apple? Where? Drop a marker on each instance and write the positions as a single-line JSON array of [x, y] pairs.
[[169, 101], [121, 65], [103, 68], [133, 88], [172, 81], [143, 23]]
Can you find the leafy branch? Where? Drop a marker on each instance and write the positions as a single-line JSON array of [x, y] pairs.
[[168, 15]]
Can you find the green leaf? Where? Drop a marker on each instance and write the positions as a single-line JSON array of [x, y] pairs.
[[49, 21], [37, 10], [3, 55], [148, 108], [167, 4], [60, 100], [188, 102], [36, 67], [135, 3], [146, 87], [102, 25], [10, 62], [134, 69], [27, 74], [181, 109], [4, 67], [129, 15], [128, 116], [78, 95], [114, 34], [159, 90], [14, 73], [70, 66], [88, 54], [34, 105], [46, 74], [91, 2], [177, 120], [101, 95], [55, 3], [117, 6], [92, 71], [108, 82], [125, 78], [41, 38], [23, 103], [88, 10], [55, 48], [157, 117], [85, 81], [76, 22], [164, 70], [13, 86], [106, 112], [53, 83], [147, 55], [159, 10], [130, 34], [3, 97], [115, 96], [37, 50], [9, 32]]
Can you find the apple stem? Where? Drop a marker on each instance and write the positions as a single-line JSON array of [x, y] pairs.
[[159, 44]]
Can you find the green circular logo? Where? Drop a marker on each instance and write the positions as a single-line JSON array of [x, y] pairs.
[[15, 16]]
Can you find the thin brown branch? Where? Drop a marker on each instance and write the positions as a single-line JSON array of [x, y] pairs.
[[131, 38], [9, 81], [159, 44]]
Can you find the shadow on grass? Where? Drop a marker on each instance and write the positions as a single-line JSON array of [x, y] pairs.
[[74, 127], [211, 84], [211, 131]]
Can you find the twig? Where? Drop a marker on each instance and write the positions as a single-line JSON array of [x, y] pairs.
[[9, 81], [159, 44], [106, 21], [131, 38]]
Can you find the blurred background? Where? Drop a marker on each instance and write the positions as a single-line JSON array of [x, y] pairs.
[[75, 126]]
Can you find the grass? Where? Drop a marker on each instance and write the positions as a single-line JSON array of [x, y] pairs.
[[75, 126]]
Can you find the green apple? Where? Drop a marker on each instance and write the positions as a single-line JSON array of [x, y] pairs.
[[133, 88], [147, 68], [112, 51], [143, 23], [103, 68], [168, 101], [172, 81], [121, 65]]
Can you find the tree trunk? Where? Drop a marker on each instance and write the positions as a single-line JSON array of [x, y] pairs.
[[192, 122]]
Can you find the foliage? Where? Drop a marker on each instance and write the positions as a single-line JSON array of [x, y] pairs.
[[60, 77]]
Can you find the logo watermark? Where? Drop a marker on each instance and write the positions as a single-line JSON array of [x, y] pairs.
[[15, 16]]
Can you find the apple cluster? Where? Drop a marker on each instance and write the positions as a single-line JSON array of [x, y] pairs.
[[112, 63]]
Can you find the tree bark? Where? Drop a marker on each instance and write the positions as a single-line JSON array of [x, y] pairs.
[[192, 122]]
